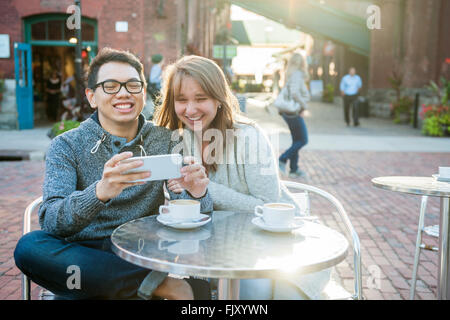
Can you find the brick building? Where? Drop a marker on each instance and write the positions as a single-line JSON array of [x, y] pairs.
[[145, 27]]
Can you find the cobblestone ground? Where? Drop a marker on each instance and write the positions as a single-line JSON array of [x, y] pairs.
[[385, 221]]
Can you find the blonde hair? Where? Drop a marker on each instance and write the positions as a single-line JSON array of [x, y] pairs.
[[297, 62], [212, 81]]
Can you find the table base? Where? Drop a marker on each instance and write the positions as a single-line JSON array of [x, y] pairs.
[[444, 247], [228, 289]]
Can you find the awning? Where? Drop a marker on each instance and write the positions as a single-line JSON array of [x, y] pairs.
[[316, 19]]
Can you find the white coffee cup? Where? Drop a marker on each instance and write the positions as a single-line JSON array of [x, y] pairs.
[[444, 172], [182, 209], [276, 214]]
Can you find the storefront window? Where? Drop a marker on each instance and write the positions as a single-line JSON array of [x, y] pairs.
[[38, 31], [87, 32], [55, 30], [69, 33]]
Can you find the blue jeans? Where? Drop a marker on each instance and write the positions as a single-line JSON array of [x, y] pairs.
[[46, 258], [299, 135]]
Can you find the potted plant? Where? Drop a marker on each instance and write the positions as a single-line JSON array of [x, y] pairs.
[[445, 124], [401, 107], [328, 93], [437, 116], [61, 127], [2, 85]]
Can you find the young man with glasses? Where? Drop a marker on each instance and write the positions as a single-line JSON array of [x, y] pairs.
[[86, 194]]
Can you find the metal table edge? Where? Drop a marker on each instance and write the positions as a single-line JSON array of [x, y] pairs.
[[219, 272]]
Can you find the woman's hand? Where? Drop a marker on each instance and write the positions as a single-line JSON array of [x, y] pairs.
[[194, 179]]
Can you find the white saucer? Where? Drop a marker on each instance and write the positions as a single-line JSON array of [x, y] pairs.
[[438, 178], [182, 224], [259, 222]]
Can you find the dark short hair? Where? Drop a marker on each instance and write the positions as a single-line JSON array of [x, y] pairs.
[[112, 55], [157, 58]]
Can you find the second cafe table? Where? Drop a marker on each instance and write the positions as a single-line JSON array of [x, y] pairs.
[[428, 186], [230, 247]]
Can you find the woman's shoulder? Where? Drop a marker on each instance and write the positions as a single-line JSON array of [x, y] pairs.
[[250, 129], [246, 125]]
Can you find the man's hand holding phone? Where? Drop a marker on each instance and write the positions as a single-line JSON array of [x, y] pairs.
[[114, 181]]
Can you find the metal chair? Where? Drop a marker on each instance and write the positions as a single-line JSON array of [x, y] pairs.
[[432, 231], [26, 282], [343, 215]]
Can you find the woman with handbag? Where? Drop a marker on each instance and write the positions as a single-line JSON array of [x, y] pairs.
[[291, 105]]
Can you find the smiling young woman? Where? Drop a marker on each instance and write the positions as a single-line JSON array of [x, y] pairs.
[[196, 95]]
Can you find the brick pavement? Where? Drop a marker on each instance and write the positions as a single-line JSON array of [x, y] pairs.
[[385, 221]]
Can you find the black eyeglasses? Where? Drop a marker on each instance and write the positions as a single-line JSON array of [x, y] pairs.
[[113, 86]]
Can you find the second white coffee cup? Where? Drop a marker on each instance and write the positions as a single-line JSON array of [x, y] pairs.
[[444, 172], [276, 214], [181, 209]]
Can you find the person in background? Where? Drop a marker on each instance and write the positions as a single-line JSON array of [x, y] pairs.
[[155, 76], [53, 96], [296, 75], [350, 87]]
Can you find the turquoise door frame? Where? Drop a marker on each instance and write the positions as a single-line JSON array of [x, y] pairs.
[[24, 85], [23, 63]]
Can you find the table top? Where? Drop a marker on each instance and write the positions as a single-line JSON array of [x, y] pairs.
[[230, 246], [415, 185]]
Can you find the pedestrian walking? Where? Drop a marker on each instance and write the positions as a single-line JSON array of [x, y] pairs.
[[350, 87], [296, 76]]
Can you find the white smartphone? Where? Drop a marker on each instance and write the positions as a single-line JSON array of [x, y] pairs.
[[162, 167]]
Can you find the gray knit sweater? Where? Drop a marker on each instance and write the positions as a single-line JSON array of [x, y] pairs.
[[248, 175], [74, 165]]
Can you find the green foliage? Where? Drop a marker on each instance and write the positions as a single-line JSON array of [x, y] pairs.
[[436, 120], [328, 93], [238, 86], [443, 92], [396, 81], [253, 87], [437, 117], [432, 127], [401, 110], [2, 82], [61, 127], [444, 121]]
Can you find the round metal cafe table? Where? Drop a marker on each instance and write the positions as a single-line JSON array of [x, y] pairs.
[[230, 247], [428, 186]]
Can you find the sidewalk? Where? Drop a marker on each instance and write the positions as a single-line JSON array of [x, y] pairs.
[[32, 144], [337, 159], [326, 130]]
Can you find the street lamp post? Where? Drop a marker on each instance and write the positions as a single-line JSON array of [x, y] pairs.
[[78, 67]]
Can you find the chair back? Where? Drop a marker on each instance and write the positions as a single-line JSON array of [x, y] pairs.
[[26, 294], [351, 231], [27, 215]]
